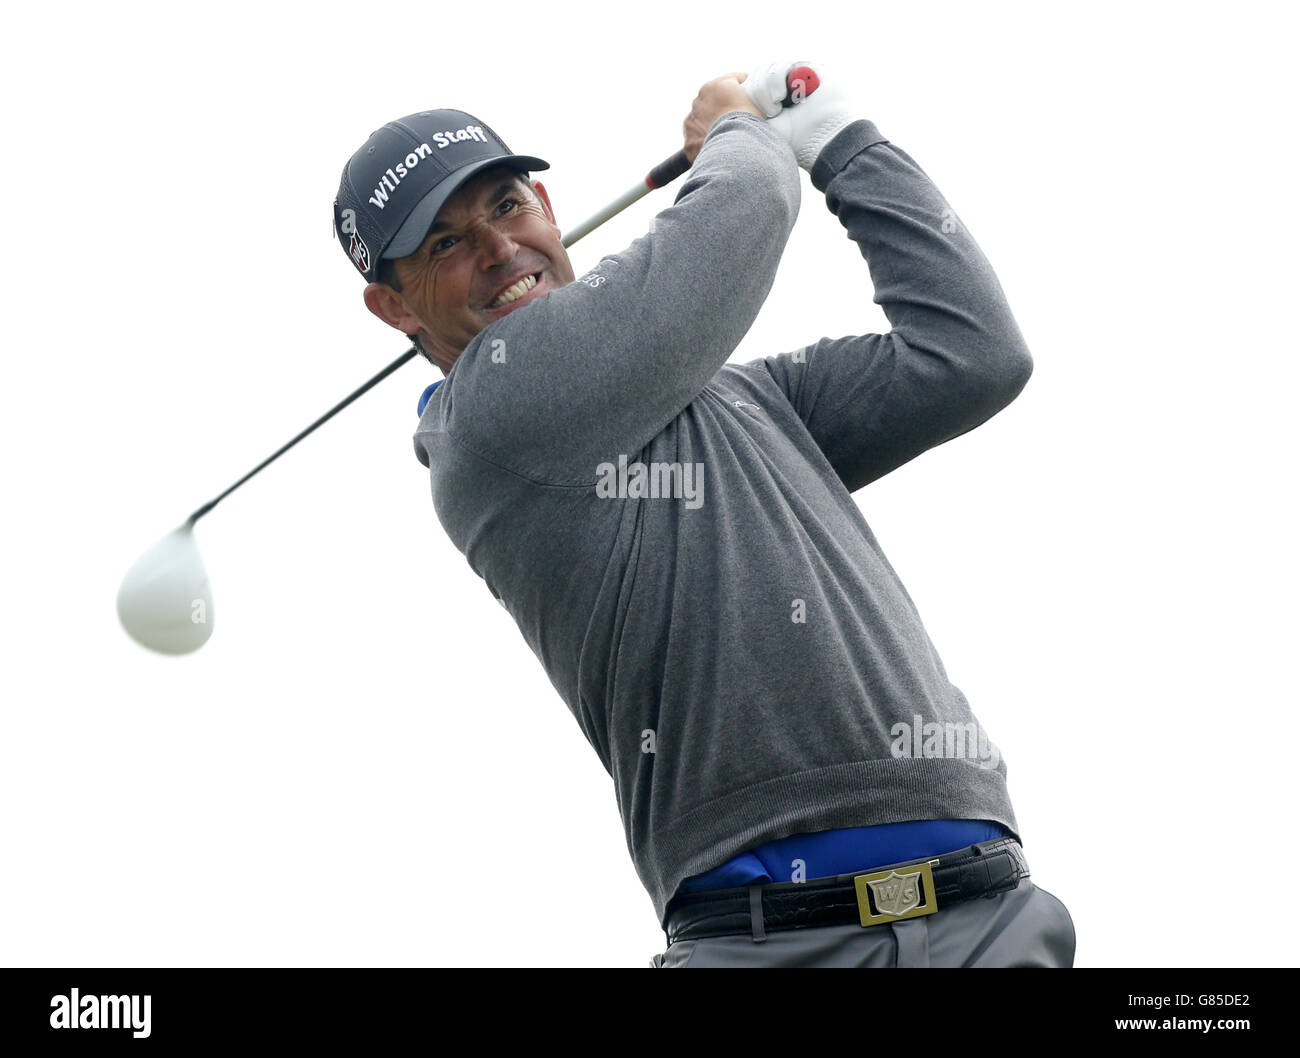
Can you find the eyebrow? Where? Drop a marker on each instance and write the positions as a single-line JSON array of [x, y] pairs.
[[502, 190]]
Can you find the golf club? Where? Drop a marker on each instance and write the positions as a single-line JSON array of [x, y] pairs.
[[165, 601]]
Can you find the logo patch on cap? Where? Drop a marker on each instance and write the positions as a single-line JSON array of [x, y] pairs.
[[360, 252], [357, 248]]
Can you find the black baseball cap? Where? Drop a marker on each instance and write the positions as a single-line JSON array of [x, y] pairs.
[[397, 181]]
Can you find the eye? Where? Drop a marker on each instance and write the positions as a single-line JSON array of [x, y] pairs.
[[443, 245], [506, 205]]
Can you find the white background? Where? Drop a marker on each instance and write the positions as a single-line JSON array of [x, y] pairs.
[[366, 766]]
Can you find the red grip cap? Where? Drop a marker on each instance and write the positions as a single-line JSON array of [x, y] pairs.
[[807, 75]]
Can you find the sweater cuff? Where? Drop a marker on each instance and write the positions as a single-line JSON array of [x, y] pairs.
[[848, 142]]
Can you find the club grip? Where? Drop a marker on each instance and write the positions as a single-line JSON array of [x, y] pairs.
[[671, 168], [668, 170]]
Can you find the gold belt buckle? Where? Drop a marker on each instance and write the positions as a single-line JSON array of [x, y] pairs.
[[896, 894]]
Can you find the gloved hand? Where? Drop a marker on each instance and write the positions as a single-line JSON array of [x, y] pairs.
[[804, 102]]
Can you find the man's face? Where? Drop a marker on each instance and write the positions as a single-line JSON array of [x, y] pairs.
[[494, 239]]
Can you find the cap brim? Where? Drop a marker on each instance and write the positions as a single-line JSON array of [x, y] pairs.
[[417, 225]]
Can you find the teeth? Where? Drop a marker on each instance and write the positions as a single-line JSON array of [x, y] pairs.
[[517, 291]]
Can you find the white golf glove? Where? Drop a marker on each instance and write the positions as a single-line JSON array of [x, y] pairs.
[[818, 112]]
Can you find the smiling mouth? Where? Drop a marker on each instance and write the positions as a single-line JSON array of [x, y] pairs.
[[517, 291]]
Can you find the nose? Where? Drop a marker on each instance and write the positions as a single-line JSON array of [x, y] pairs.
[[492, 245]]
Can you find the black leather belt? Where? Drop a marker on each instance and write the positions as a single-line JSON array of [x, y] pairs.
[[888, 894]]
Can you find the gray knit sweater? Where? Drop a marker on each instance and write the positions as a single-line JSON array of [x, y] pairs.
[[675, 535]]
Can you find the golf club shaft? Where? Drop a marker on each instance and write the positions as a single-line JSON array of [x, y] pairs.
[[375, 380], [663, 173]]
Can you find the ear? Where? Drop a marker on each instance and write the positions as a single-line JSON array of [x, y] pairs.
[[389, 306]]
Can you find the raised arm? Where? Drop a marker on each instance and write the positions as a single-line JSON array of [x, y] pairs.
[[954, 357], [600, 366]]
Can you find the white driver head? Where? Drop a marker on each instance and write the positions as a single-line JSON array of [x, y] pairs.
[[165, 602]]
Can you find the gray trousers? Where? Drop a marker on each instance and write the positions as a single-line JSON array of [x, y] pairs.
[[1025, 926]]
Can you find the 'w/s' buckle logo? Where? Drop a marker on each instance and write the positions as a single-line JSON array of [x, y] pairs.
[[889, 896]]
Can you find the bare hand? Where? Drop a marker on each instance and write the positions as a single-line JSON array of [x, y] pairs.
[[723, 95]]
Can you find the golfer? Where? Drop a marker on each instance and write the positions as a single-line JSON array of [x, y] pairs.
[[799, 782]]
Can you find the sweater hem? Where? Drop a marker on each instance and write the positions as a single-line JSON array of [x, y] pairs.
[[859, 794]]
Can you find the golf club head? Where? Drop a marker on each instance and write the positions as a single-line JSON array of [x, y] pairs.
[[165, 601]]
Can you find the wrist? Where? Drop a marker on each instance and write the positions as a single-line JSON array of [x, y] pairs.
[[817, 137], [856, 137]]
